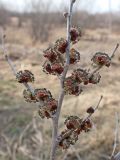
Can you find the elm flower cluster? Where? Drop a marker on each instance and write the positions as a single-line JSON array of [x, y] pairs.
[[25, 76], [75, 126], [48, 103], [101, 59], [55, 55], [75, 34]]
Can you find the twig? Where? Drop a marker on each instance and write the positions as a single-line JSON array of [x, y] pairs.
[[8, 145], [61, 96], [23, 133], [94, 109], [76, 153], [113, 54], [116, 135], [12, 65], [99, 67]]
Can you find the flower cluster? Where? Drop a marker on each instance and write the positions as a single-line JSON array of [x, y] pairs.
[[101, 59], [25, 76], [75, 126], [71, 87], [48, 104], [55, 55], [51, 55], [61, 45], [48, 109], [74, 56], [53, 68], [75, 34], [78, 76]]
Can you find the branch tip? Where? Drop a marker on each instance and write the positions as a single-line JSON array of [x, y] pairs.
[[113, 54]]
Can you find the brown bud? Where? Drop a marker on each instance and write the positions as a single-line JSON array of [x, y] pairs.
[[90, 110], [74, 1], [65, 14]]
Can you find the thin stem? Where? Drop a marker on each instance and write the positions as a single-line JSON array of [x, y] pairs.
[[14, 70], [116, 135], [113, 54], [94, 109], [55, 119]]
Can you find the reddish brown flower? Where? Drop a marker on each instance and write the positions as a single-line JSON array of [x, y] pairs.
[[54, 68], [52, 105], [86, 125], [47, 68], [80, 75], [73, 122], [42, 94], [74, 56], [75, 33], [48, 109], [51, 55], [61, 45], [25, 76], [101, 59], [95, 78], [57, 68], [71, 87]]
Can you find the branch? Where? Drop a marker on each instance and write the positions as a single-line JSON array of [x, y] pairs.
[[62, 94], [94, 109], [100, 67], [12, 65], [116, 135], [113, 54]]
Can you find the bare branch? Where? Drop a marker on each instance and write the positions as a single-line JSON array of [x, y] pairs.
[[61, 96], [30, 88], [100, 67], [94, 109], [116, 135], [113, 54]]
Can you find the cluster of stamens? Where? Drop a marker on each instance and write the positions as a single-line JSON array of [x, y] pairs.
[[48, 105], [101, 59], [75, 126], [25, 76], [75, 34]]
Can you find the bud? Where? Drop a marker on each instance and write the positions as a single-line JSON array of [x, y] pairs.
[[68, 138], [73, 1], [65, 14], [90, 110], [75, 33]]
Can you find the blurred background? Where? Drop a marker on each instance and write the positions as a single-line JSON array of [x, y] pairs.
[[30, 27]]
